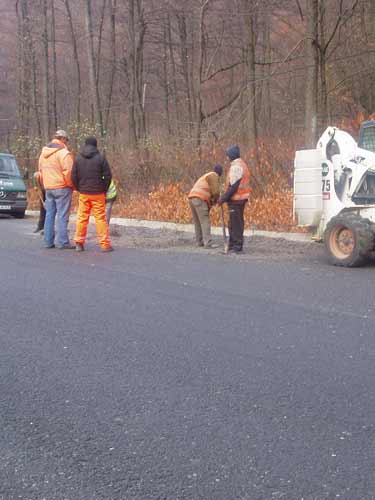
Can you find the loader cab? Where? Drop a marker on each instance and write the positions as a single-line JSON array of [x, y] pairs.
[[13, 199], [367, 136], [365, 192]]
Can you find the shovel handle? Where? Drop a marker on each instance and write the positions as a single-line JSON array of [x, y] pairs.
[[223, 223], [41, 199]]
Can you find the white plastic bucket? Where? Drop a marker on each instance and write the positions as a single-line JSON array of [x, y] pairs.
[[308, 203]]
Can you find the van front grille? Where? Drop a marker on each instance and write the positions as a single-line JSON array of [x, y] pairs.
[[8, 195]]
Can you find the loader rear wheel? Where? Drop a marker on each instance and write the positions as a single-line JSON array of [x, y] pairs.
[[349, 240]]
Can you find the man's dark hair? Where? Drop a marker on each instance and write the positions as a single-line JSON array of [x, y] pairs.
[[218, 169], [91, 141]]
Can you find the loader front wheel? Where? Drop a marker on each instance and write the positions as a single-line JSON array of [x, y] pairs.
[[349, 240]]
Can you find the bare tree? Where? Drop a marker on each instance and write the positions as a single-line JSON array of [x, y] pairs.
[[54, 65], [137, 30], [250, 44], [46, 86], [113, 6], [76, 60], [94, 85], [198, 92], [24, 73], [312, 62], [325, 41]]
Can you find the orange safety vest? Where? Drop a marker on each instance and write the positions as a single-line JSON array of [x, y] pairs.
[[201, 189], [243, 191]]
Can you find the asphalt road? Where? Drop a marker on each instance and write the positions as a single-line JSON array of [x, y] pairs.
[[156, 375]]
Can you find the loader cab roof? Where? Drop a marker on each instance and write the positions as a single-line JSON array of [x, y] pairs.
[[367, 136]]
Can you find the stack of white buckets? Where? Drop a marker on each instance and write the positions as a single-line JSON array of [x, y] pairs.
[[308, 203]]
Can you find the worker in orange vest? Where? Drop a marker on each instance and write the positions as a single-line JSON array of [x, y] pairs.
[[55, 166], [204, 194], [237, 192]]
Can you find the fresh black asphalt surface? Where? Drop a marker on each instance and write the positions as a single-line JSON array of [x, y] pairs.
[[155, 375]]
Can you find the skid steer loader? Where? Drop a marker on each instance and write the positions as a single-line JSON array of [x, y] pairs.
[[334, 191]]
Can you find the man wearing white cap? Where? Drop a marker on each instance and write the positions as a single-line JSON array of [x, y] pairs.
[[55, 166]]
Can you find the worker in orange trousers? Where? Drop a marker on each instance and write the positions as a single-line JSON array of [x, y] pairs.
[[91, 176]]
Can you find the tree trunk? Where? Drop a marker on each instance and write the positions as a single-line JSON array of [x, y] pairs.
[[46, 90], [29, 42], [266, 94], [99, 51], [174, 80], [166, 83], [76, 62], [54, 66], [250, 37], [312, 62], [92, 68], [323, 66], [133, 139], [137, 29], [198, 91], [185, 64], [114, 61], [140, 85], [24, 71]]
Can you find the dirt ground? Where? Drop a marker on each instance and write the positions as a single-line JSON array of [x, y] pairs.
[[256, 246], [165, 240]]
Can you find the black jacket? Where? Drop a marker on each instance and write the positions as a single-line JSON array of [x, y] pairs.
[[225, 197], [90, 172]]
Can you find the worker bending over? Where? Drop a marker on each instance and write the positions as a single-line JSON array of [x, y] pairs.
[[204, 194], [237, 192]]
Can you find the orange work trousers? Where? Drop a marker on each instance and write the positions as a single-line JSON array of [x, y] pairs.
[[96, 204]]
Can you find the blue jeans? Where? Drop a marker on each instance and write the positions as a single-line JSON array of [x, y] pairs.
[[58, 203]]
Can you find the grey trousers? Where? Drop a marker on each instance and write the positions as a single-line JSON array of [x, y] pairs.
[[108, 209], [202, 222]]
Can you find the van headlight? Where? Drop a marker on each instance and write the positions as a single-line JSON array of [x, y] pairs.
[[21, 195]]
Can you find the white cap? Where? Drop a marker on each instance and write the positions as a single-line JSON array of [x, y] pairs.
[[61, 133]]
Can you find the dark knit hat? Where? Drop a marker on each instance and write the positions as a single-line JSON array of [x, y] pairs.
[[233, 152], [91, 141], [218, 169]]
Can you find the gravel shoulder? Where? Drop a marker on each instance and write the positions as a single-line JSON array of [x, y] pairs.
[[170, 240], [255, 247]]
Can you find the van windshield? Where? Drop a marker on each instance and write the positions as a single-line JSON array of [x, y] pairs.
[[8, 166]]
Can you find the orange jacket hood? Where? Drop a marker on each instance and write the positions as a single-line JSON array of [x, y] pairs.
[[52, 148]]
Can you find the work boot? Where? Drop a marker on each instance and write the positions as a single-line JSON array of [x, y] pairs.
[[106, 249], [79, 247], [235, 250]]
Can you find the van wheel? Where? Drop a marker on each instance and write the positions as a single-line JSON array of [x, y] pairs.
[[349, 240]]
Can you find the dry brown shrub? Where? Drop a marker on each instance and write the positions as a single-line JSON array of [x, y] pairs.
[[172, 172]]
